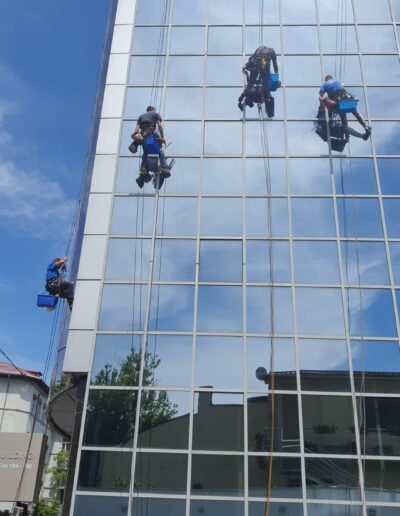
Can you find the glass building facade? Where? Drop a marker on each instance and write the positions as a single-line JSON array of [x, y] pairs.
[[244, 346]]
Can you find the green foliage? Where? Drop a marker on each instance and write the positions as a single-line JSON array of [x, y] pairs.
[[48, 507], [59, 471], [62, 384]]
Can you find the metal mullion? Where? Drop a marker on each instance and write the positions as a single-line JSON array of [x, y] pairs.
[[394, 26]]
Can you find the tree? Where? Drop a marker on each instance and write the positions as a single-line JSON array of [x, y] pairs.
[[58, 477]]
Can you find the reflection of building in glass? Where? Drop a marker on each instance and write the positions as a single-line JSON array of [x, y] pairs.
[[174, 292]]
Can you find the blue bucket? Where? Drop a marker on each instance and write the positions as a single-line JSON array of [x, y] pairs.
[[274, 82], [47, 301], [347, 105], [153, 144]]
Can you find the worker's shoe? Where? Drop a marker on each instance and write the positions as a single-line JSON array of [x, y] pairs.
[[164, 172], [133, 148], [140, 181], [367, 133], [240, 105], [144, 171]]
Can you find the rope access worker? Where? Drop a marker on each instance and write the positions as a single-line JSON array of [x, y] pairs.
[[55, 283], [259, 65], [148, 123], [335, 91]]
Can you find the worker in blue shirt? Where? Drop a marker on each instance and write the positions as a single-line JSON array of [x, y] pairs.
[[55, 283], [330, 92]]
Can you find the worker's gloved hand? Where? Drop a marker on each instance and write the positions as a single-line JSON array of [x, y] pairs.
[[163, 141]]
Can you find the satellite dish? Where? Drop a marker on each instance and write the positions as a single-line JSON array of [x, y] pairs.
[[261, 374]]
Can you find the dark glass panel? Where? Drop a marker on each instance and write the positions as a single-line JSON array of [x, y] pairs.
[[276, 509], [328, 424], [161, 473], [221, 260], [286, 423], [382, 480], [332, 479], [100, 505], [116, 360], [158, 507], [286, 477], [371, 313], [171, 308], [380, 425], [218, 421], [164, 419], [317, 509], [110, 418], [105, 471], [217, 475], [216, 507], [259, 317], [220, 309]]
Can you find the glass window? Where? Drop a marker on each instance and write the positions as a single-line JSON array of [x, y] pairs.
[[222, 176], [217, 475], [127, 170], [388, 66], [274, 140], [224, 71], [223, 138], [148, 11], [389, 175], [225, 40], [185, 13], [262, 219], [177, 217], [132, 216], [157, 506], [310, 176], [337, 39], [313, 218], [122, 307], [300, 103], [332, 479], [328, 12], [168, 361], [276, 509], [286, 423], [293, 12], [368, 13], [258, 261], [225, 11], [222, 508], [220, 309], [376, 365], [317, 509], [324, 365], [100, 505], [359, 218], [164, 419], [161, 473], [116, 360], [382, 425], [256, 180], [269, 15], [187, 40], [259, 363], [351, 70], [386, 137], [382, 480], [316, 262], [212, 356], [302, 71], [252, 34], [300, 40], [221, 217], [104, 471], [185, 138], [392, 217], [221, 260], [286, 477], [185, 177], [365, 263], [371, 313], [184, 103], [303, 141], [150, 40], [395, 256], [218, 421], [328, 424], [128, 259], [186, 71], [171, 308], [219, 102], [354, 176], [110, 418], [376, 39], [143, 71], [174, 260], [259, 310], [319, 311]]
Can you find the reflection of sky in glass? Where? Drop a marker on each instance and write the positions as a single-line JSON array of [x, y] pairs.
[[259, 310], [319, 311], [171, 308], [257, 217], [354, 176], [371, 355], [177, 217], [122, 307], [316, 262], [128, 259], [395, 257], [221, 217], [258, 261], [259, 355], [389, 176], [220, 309], [228, 182], [323, 355], [221, 260], [368, 13], [371, 313], [257, 180], [252, 37], [174, 260], [359, 218], [175, 355], [391, 208], [310, 176], [367, 260], [130, 219], [313, 218]]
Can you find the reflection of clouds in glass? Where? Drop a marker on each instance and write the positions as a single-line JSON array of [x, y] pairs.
[[130, 219], [257, 261], [185, 71], [221, 217], [256, 180], [389, 175], [310, 176], [185, 138], [323, 355], [225, 11], [371, 263], [274, 138], [298, 11], [359, 218], [316, 262], [184, 103], [271, 37], [146, 40], [220, 309], [175, 355], [223, 138], [177, 217], [187, 40], [351, 72], [122, 307], [259, 355], [395, 256], [301, 103], [386, 136], [142, 71], [219, 362], [369, 355], [376, 39], [171, 308], [300, 40], [225, 40], [372, 315], [228, 182], [221, 260], [219, 102], [302, 140], [367, 11], [354, 176], [319, 311], [128, 259], [257, 217], [337, 39], [185, 12], [259, 310], [175, 260], [313, 217], [388, 66], [270, 14], [302, 71], [224, 70], [185, 177]]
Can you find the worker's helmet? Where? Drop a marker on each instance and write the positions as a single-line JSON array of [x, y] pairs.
[[138, 138]]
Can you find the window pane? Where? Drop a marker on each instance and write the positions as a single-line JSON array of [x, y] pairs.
[[382, 480], [127, 170], [316, 262], [104, 471], [231, 66], [368, 13], [174, 260], [274, 139], [395, 256], [261, 218], [185, 177], [286, 423], [217, 475], [221, 260], [259, 311], [157, 506], [136, 101], [128, 259], [185, 71], [351, 74], [259, 356], [337, 38], [310, 176], [219, 102], [187, 40], [110, 418], [185, 13], [332, 510], [222, 508], [269, 15], [388, 67], [392, 217], [212, 355], [286, 477], [328, 424], [225, 40], [161, 473], [143, 70], [324, 365], [258, 261], [332, 479], [116, 360], [371, 313], [221, 217], [319, 311], [276, 509], [177, 217], [382, 422], [389, 174], [302, 71], [223, 138], [100, 505], [132, 216], [354, 176], [220, 309], [365, 262], [300, 40], [257, 181], [149, 12], [185, 138], [252, 34], [225, 11], [300, 103], [377, 38], [184, 103], [293, 12], [302, 140], [171, 308], [222, 176], [386, 137], [218, 421], [150, 40], [122, 307], [164, 419], [169, 360], [327, 12], [313, 218], [359, 218]]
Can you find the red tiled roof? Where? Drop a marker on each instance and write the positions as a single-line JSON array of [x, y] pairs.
[[6, 368]]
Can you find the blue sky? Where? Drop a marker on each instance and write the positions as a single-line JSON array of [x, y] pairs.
[[50, 54]]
